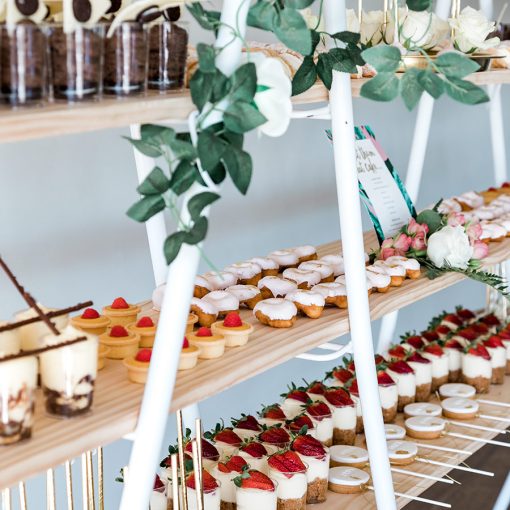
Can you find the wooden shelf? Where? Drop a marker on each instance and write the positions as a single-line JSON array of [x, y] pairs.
[[117, 401], [62, 119]]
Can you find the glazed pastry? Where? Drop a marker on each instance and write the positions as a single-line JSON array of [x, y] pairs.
[[223, 301], [248, 295], [457, 390], [102, 354], [225, 472], [335, 294], [492, 232], [412, 266], [272, 286], [307, 302], [121, 313], [477, 368], [341, 279], [247, 427], [402, 373], [344, 415], [402, 453], [322, 421], [122, 344], [138, 367], [347, 480], [255, 490], [276, 313], [145, 329], [449, 205], [422, 409], [247, 273], [453, 350], [336, 262], [325, 270], [425, 427], [345, 455], [284, 258], [394, 431], [206, 312], [202, 287], [302, 278], [235, 331], [220, 280], [459, 408], [440, 371], [305, 253], [379, 279], [395, 271], [269, 266], [90, 321], [210, 345], [470, 200], [497, 351]]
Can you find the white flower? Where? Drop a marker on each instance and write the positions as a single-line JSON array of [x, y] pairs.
[[274, 90], [372, 27], [471, 31], [352, 21], [312, 21], [450, 246], [423, 29]]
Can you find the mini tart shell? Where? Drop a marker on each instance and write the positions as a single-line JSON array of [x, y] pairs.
[[210, 347], [188, 358], [122, 347], [234, 337], [93, 326], [137, 370], [122, 316], [102, 354], [146, 335], [190, 323]]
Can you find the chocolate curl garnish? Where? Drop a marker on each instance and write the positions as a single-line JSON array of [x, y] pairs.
[[50, 315], [28, 298]]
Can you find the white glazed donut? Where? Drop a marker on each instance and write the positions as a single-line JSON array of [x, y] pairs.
[[265, 263], [324, 269], [449, 205], [492, 231], [408, 264], [394, 431], [203, 282], [457, 390], [205, 306], [347, 479], [304, 251], [422, 409], [471, 198], [244, 270], [306, 297], [302, 276], [486, 213], [220, 280], [402, 452], [341, 281], [391, 269], [157, 296], [224, 301], [336, 262], [244, 292], [278, 286], [276, 309], [329, 290], [457, 407], [284, 258], [346, 454], [378, 280]]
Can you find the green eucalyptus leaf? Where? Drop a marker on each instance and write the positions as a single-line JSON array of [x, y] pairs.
[[354, 53], [234, 139], [262, 15], [221, 86], [418, 5], [383, 87], [316, 38], [199, 202], [201, 86], [465, 91], [206, 19], [244, 82], [155, 183], [383, 58], [217, 173], [325, 69], [173, 245], [239, 166], [241, 117], [206, 58], [305, 76], [298, 4], [431, 83], [410, 88], [198, 232], [341, 60], [210, 149], [455, 65], [292, 30], [432, 218], [150, 131], [146, 208], [183, 177], [182, 149], [347, 37], [146, 148]]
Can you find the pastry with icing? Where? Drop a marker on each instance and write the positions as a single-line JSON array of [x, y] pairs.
[[347, 480], [276, 312], [138, 366], [346, 455], [284, 258], [470, 200], [308, 302], [303, 278], [210, 345], [412, 266], [220, 280], [396, 271], [247, 273], [121, 313], [121, 342], [146, 330], [457, 390], [305, 253], [341, 279], [425, 427], [402, 453], [269, 266], [325, 270], [202, 287], [379, 279], [223, 301], [422, 409], [90, 321], [206, 312], [235, 331], [248, 295], [335, 294], [459, 408], [274, 287], [336, 262]]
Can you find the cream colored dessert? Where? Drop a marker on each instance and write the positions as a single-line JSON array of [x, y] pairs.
[[235, 331], [248, 295], [425, 427], [460, 408], [122, 344], [498, 362], [212, 499], [347, 480], [322, 428], [344, 424], [422, 409], [91, 322], [157, 296], [305, 253], [220, 280], [477, 372], [145, 328], [457, 390], [10, 342], [336, 262], [284, 258], [269, 266], [210, 345], [274, 287], [394, 431], [291, 489], [324, 269], [406, 387], [423, 372], [304, 279], [402, 453], [317, 477], [256, 499], [121, 313], [388, 396], [440, 369], [346, 455], [247, 273], [454, 363]]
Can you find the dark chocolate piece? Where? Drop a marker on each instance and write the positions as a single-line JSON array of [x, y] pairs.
[[172, 13], [27, 7], [149, 14], [60, 404], [115, 6], [82, 10]]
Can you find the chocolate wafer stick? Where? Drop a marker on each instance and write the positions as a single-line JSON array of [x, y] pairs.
[[33, 352]]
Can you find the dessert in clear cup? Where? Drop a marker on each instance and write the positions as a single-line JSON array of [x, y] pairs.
[[316, 391], [423, 372], [255, 454], [158, 499], [247, 427], [202, 287], [347, 480], [18, 382], [477, 367], [272, 414], [211, 489], [453, 349], [122, 344], [322, 419], [224, 439], [255, 491], [10, 342], [225, 472], [138, 366], [91, 322], [440, 367], [145, 329], [403, 374], [210, 454], [294, 401], [210, 345], [299, 424], [68, 373], [235, 331], [121, 313], [494, 344], [324, 269], [189, 356], [344, 415], [275, 438], [316, 456]]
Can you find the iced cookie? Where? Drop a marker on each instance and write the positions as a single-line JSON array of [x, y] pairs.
[[457, 390], [220, 280], [394, 431], [422, 409], [402, 453], [346, 455], [459, 408]]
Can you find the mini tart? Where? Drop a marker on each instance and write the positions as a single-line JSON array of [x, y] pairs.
[[336, 262], [202, 287], [247, 273], [102, 354], [307, 302], [284, 258], [346, 455], [146, 334], [305, 253], [402, 453], [220, 280], [223, 301], [335, 294], [120, 347], [248, 295], [325, 270], [192, 320], [206, 312], [276, 312], [302, 278], [234, 336], [210, 347], [96, 326], [422, 409], [188, 358], [137, 370], [379, 279], [394, 431], [425, 427], [272, 286], [347, 480], [269, 266], [412, 266], [460, 408], [457, 390], [122, 316]]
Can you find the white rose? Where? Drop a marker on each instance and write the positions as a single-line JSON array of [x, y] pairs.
[[423, 29], [450, 246], [274, 90], [371, 27], [312, 21], [471, 31], [352, 21]]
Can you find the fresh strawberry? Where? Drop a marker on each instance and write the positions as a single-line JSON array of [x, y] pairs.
[[208, 481], [145, 322], [340, 374], [232, 320], [144, 355], [491, 320], [277, 436], [351, 366], [397, 352], [90, 313], [338, 397], [309, 447], [209, 451], [287, 462], [158, 484], [442, 331], [298, 395], [316, 388], [119, 304], [273, 412], [434, 349], [118, 332], [468, 333], [227, 436], [465, 314], [506, 185], [319, 410], [415, 341], [452, 318], [248, 422], [254, 449], [253, 479], [492, 188], [383, 379], [417, 358], [233, 465], [494, 342], [185, 343], [504, 334], [400, 367], [480, 328], [299, 422], [378, 359], [453, 344], [480, 351], [353, 387], [430, 336], [203, 331]]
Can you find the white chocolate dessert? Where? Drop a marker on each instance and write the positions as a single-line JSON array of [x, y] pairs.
[[425, 427], [347, 480], [276, 312], [284, 258], [457, 390], [35, 12], [389, 401], [269, 266], [10, 342], [423, 373], [317, 477], [68, 374], [336, 262], [223, 301], [406, 385], [402, 453], [323, 429], [18, 382], [422, 409], [212, 499], [347, 455], [460, 408], [220, 280], [305, 253], [255, 499], [394, 431], [303, 278], [272, 286], [247, 295], [344, 423]]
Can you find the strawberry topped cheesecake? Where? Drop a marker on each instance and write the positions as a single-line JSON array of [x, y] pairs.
[[397, 352], [316, 458], [235, 331], [225, 473], [344, 415], [275, 437], [211, 488], [255, 491], [440, 370], [322, 420], [497, 351], [388, 394], [224, 439], [158, 500], [289, 472], [477, 367], [121, 312], [453, 349], [295, 401], [145, 329], [247, 427], [255, 454], [504, 334], [301, 420], [340, 376], [316, 390], [413, 343], [121, 342], [210, 454], [402, 373], [422, 368], [272, 415], [90, 321]]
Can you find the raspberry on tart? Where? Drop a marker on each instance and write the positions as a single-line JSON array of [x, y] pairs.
[[90, 321], [210, 345], [121, 312], [189, 356], [145, 329], [138, 366], [235, 331], [121, 342]]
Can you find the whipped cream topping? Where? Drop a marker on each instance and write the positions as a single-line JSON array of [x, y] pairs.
[[460, 405], [306, 297], [264, 262], [284, 257], [398, 450], [439, 364], [394, 431], [300, 276], [244, 270], [422, 409], [244, 292], [255, 499], [498, 356], [15, 374], [276, 308], [325, 270], [330, 289], [279, 287], [220, 280], [457, 390], [336, 262], [388, 396], [347, 454], [426, 423], [222, 300], [344, 475]]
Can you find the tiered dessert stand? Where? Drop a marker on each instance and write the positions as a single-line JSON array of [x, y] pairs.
[[117, 411]]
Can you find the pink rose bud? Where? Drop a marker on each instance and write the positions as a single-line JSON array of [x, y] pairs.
[[480, 250]]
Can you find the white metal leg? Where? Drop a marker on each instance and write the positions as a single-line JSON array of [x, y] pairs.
[[503, 501], [353, 250], [497, 134]]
